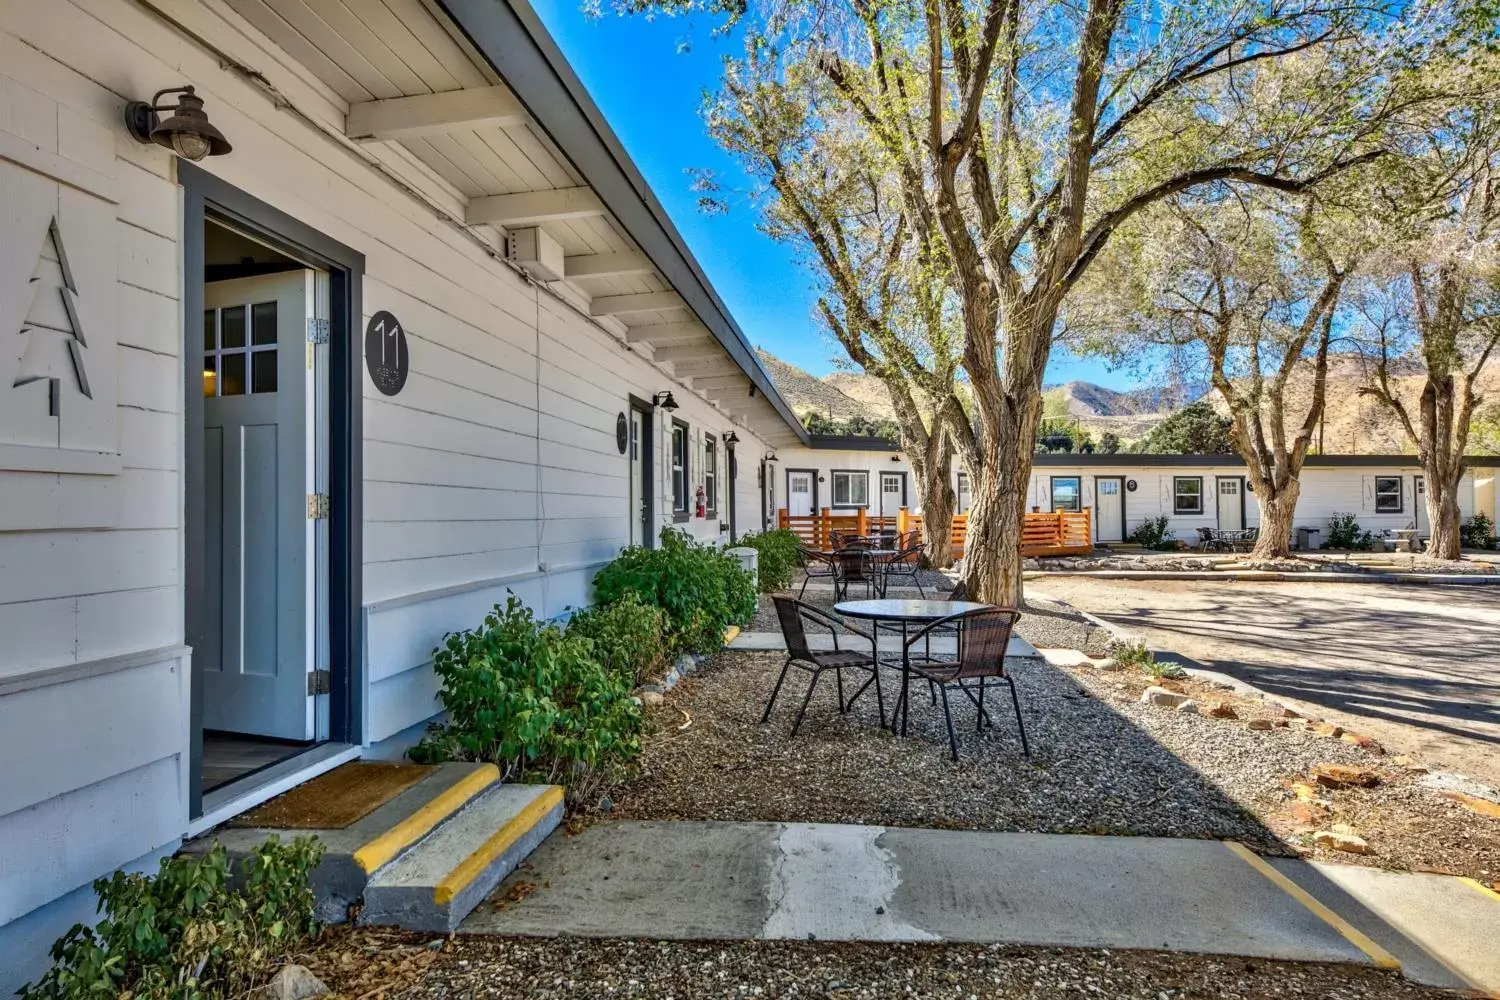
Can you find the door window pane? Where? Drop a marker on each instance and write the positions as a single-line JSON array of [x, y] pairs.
[[210, 331], [263, 323], [232, 328], [232, 374], [263, 371], [1109, 487], [210, 377]]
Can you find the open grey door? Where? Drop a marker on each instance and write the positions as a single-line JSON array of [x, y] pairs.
[[260, 529]]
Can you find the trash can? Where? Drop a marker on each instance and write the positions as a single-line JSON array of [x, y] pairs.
[[1307, 538], [749, 561]]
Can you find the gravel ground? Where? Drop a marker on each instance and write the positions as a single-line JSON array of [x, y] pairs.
[[469, 968], [1092, 770]]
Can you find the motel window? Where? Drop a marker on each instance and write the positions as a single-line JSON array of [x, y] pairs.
[[680, 498], [1067, 493], [1187, 494], [711, 473], [1388, 495], [851, 489]]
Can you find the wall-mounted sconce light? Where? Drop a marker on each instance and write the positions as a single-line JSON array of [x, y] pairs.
[[895, 458], [664, 400], [188, 132], [731, 439], [770, 456]]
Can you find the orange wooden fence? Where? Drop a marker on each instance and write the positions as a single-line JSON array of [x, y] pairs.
[[1059, 533]]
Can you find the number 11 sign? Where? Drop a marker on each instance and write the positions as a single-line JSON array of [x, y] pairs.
[[385, 353]]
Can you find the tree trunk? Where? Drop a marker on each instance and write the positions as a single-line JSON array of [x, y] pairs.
[[992, 553], [1443, 517], [1277, 512], [938, 502]]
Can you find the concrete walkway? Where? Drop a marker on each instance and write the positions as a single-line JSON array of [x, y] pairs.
[[694, 881]]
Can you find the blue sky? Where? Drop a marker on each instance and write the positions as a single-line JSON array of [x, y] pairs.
[[647, 76]]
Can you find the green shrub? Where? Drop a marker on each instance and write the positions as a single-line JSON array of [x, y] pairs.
[[534, 700], [1478, 532], [187, 933], [702, 590], [1344, 533], [778, 557], [1153, 533], [629, 637]]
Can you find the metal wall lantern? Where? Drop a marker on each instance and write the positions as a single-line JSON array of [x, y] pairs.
[[188, 132], [664, 400], [731, 439]]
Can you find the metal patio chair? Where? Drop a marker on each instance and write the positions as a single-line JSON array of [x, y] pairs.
[[905, 563], [816, 564], [793, 613], [981, 657]]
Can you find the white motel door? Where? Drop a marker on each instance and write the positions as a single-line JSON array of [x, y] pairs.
[[1420, 503], [1231, 503], [892, 486], [1109, 501], [640, 516], [799, 493], [261, 587]]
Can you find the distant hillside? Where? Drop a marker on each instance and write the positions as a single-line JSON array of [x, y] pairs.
[[805, 392]]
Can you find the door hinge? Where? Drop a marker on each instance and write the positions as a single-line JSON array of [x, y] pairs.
[[317, 506], [319, 682], [317, 330]]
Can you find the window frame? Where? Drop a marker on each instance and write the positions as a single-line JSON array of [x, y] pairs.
[[1400, 494], [833, 478], [1177, 495], [681, 501], [711, 475], [1077, 493]]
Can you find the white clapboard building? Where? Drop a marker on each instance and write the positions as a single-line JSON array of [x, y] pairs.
[[368, 322]]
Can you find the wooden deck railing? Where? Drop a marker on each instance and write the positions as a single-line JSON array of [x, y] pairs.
[[1059, 533]]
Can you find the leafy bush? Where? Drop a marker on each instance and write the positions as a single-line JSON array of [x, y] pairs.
[[778, 557], [532, 699], [1135, 656], [1478, 532], [628, 636], [1196, 429], [187, 933], [1344, 533], [702, 590], [1153, 533]]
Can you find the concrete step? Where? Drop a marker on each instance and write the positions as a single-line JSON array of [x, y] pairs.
[[353, 853], [435, 884]]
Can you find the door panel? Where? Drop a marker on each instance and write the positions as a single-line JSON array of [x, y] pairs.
[[1109, 504], [891, 488], [1419, 505], [639, 515], [799, 492], [261, 637], [1231, 503]]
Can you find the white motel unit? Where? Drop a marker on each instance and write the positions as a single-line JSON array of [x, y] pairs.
[[274, 421]]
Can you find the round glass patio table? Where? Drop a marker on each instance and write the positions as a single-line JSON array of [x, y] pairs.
[[906, 613]]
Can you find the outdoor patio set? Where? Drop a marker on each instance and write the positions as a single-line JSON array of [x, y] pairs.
[[868, 561], [953, 644]]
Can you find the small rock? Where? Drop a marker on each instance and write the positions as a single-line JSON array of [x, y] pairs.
[[1347, 842], [606, 804], [652, 697], [295, 982], [652, 688], [1307, 814], [1475, 804], [1281, 723], [1327, 729], [1171, 686], [1304, 792], [1343, 776], [1363, 742], [1108, 663], [1190, 707], [1260, 724], [1291, 713], [1222, 710], [1161, 696]]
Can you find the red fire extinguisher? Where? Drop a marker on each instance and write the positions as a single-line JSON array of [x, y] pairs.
[[701, 505]]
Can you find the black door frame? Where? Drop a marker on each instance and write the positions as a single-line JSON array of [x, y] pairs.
[[810, 472], [1123, 502], [208, 198], [647, 514]]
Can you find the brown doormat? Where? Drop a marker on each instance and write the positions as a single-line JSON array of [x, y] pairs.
[[334, 800]]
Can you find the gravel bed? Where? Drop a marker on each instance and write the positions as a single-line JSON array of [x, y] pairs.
[[1045, 623], [469, 968], [1092, 771]]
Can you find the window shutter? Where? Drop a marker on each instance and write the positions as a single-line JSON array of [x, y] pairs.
[[1367, 493], [1164, 486]]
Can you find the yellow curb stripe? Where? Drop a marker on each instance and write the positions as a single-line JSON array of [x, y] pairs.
[[1481, 887], [420, 823], [470, 868], [731, 633], [1382, 958]]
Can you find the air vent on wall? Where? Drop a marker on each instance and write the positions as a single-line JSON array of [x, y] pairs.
[[536, 253]]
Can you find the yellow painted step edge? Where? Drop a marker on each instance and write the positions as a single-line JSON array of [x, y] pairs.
[[420, 823], [731, 633], [470, 868], [1382, 958], [1479, 886]]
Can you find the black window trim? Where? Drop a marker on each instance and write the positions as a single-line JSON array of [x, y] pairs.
[[1400, 494], [1078, 493], [685, 512], [833, 488], [1176, 512], [711, 475]]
